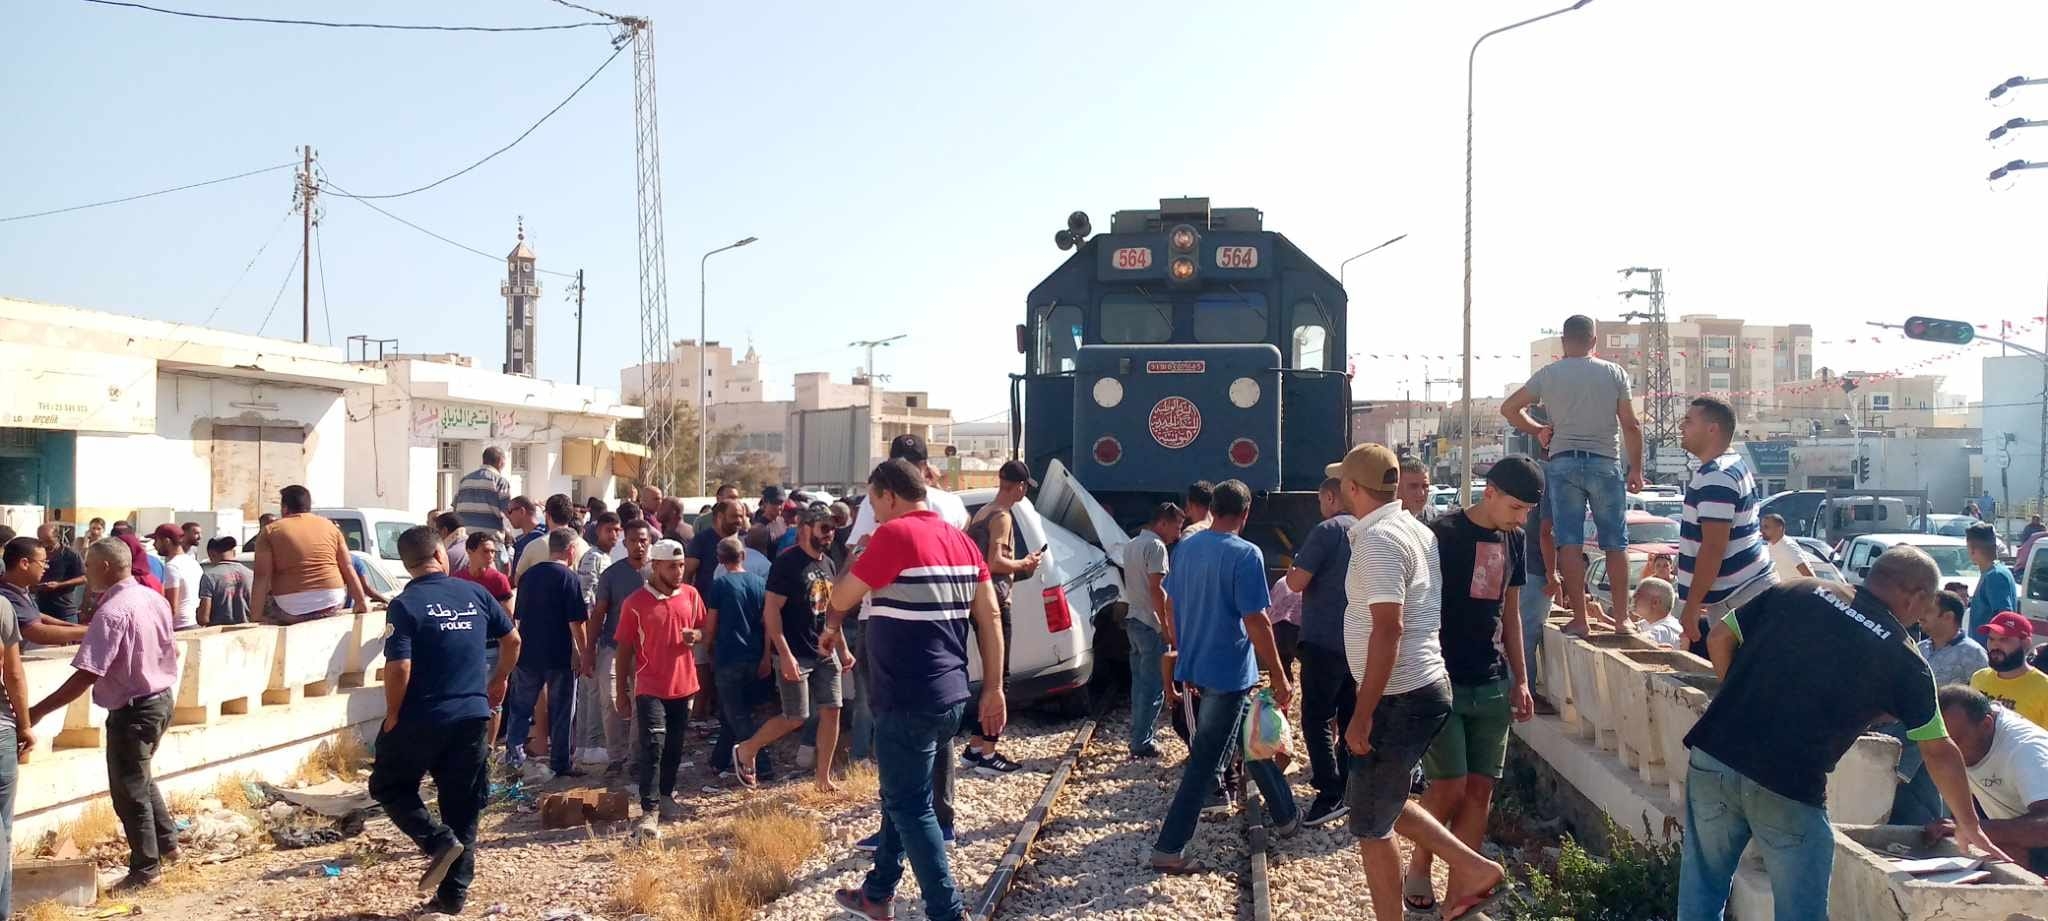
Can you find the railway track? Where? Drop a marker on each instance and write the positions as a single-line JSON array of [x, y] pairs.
[[987, 904]]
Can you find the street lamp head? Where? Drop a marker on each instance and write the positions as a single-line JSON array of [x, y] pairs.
[[2001, 172], [2000, 89], [1581, 4], [746, 241]]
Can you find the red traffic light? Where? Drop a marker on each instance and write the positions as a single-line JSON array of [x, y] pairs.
[[1930, 329]]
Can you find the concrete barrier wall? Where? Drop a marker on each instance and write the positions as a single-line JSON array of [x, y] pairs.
[[252, 699]]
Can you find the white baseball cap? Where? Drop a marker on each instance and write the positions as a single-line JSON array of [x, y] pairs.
[[668, 550]]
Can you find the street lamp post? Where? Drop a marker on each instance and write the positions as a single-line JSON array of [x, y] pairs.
[[1341, 266], [703, 368], [1471, 61]]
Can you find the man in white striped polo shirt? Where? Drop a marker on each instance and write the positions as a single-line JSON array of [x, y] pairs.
[[1722, 562]]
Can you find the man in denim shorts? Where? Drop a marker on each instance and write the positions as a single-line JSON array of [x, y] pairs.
[[1588, 400], [1392, 613]]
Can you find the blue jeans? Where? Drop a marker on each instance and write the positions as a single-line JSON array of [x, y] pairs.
[[1216, 729], [1723, 810], [736, 718], [1916, 802], [520, 700], [9, 773], [910, 748], [1148, 683], [860, 740], [1535, 613], [1577, 481]]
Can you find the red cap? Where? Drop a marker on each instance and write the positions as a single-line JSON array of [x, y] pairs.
[[2008, 623], [167, 532]]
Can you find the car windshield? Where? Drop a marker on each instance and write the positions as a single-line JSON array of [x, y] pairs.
[[1664, 508], [1953, 560], [1954, 527]]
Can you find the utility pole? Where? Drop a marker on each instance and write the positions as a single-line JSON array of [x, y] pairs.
[[579, 325], [309, 190]]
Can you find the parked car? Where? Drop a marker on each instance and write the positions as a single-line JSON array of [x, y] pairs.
[[1659, 504], [1817, 547], [1443, 498], [1958, 526], [1949, 553], [2033, 580], [1643, 529], [373, 532], [1054, 612]]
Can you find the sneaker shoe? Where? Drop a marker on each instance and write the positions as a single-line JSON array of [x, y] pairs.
[[438, 866], [1288, 830], [856, 903], [444, 906], [670, 810], [1149, 751], [1326, 809], [873, 843], [1218, 803], [649, 826], [806, 757], [969, 758], [994, 764]]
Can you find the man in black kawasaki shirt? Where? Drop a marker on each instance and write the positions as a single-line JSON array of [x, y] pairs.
[[1805, 668], [1481, 556]]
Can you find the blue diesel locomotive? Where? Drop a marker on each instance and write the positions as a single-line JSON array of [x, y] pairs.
[[1187, 343]]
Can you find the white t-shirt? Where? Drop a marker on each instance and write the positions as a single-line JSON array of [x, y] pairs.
[[184, 572], [2014, 773], [1785, 558], [1394, 559], [1667, 632], [949, 507]]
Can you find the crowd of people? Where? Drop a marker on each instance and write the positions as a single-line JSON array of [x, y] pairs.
[[616, 628]]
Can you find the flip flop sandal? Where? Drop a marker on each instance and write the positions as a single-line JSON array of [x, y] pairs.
[[1418, 894], [744, 770], [1472, 903]]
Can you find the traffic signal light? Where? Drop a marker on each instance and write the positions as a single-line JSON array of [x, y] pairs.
[[1929, 329], [1863, 470]]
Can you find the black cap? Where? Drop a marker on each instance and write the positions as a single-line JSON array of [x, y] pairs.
[[772, 494], [1517, 475], [908, 447], [1579, 325], [1015, 471]]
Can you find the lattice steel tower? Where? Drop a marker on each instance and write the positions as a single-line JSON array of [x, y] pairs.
[[655, 360], [1660, 398]]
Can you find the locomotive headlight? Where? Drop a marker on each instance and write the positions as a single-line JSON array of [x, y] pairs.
[[1244, 393], [1108, 392], [1183, 268], [1182, 239]]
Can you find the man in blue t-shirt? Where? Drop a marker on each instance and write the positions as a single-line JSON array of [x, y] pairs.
[[435, 715], [739, 654], [1328, 691], [1996, 589], [552, 614], [1218, 589]]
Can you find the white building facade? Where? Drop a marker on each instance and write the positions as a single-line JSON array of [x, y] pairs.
[[414, 436]]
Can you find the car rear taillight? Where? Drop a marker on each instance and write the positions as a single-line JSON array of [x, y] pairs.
[[1108, 450], [1058, 617], [1244, 452]]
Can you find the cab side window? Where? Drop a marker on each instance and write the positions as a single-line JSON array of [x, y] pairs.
[[1059, 338], [1308, 328]]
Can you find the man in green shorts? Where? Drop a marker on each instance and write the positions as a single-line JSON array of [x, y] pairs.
[[1481, 560]]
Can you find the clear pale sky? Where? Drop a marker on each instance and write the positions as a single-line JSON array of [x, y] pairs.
[[905, 166]]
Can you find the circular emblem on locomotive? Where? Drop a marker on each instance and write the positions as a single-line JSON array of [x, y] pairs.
[[1174, 423]]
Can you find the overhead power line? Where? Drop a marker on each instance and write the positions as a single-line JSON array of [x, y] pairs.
[[361, 200], [515, 141], [348, 25], [578, 6], [128, 198]]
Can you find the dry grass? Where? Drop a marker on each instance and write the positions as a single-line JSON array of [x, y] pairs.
[[341, 756], [233, 792], [859, 784], [726, 874], [45, 910], [95, 826]]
